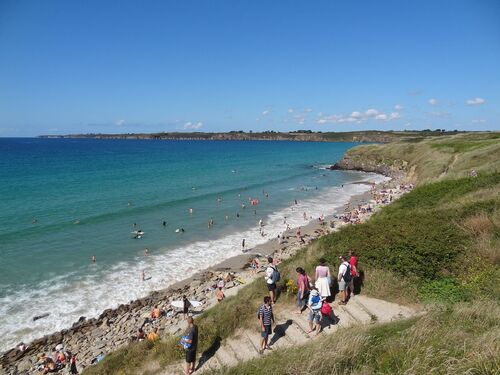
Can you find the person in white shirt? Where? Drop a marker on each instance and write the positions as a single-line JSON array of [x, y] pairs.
[[270, 279]]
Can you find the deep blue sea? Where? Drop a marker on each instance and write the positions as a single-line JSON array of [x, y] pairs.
[[66, 200]]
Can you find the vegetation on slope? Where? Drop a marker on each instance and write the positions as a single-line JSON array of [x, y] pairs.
[[437, 244]]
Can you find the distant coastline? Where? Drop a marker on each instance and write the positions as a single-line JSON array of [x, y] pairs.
[[299, 135]]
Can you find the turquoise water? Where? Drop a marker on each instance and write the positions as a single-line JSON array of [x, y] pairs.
[[66, 200]]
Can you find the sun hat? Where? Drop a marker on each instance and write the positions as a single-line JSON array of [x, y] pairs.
[[314, 292]]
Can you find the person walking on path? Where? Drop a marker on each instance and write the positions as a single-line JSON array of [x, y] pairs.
[[323, 279], [272, 276], [344, 278], [314, 306], [303, 282], [190, 344], [353, 262], [266, 320]]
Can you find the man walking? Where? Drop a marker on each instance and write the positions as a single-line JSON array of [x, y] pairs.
[[344, 278], [266, 319], [191, 343], [272, 276]]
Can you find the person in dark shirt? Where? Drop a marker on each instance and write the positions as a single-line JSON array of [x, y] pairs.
[[191, 338]]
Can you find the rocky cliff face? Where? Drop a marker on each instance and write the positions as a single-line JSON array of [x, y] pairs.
[[390, 168]]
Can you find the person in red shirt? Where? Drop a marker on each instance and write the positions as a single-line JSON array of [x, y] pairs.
[[353, 262]]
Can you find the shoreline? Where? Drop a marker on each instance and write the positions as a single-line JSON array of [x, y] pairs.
[[113, 328]]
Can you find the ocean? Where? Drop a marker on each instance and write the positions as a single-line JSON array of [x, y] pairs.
[[64, 201]]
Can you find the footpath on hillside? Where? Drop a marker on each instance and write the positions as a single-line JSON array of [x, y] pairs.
[[290, 330]]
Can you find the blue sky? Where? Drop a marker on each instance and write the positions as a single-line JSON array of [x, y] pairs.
[[144, 66]]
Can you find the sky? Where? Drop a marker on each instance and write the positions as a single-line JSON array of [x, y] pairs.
[[149, 66]]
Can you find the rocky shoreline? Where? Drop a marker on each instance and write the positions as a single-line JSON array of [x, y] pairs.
[[115, 328]]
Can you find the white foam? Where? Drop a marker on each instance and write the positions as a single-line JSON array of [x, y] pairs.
[[90, 295]]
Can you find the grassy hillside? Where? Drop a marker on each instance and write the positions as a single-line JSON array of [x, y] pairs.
[[438, 245], [426, 159]]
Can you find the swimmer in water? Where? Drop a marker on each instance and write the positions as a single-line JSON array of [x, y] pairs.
[[143, 275], [93, 259], [34, 221], [243, 245], [190, 211], [255, 212], [146, 252], [76, 221], [164, 223], [238, 215]]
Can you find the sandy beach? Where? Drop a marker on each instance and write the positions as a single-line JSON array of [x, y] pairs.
[[116, 327]]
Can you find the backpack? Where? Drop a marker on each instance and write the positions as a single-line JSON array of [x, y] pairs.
[[276, 274], [326, 309], [347, 274]]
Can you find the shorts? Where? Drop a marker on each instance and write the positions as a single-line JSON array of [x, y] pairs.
[[301, 302], [266, 332], [190, 356], [271, 287], [343, 285], [314, 316]]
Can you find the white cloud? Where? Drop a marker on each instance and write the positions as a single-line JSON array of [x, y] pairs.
[[398, 107], [193, 126], [475, 101], [308, 110], [290, 110], [358, 116], [120, 123], [433, 101], [266, 112], [479, 121]]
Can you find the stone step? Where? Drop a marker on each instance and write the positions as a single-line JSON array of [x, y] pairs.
[[226, 356], [346, 319], [296, 335], [383, 310], [358, 313], [356, 302], [242, 347], [301, 322], [212, 364]]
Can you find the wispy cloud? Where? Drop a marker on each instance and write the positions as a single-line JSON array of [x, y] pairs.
[[359, 117], [193, 125], [266, 112], [478, 121], [433, 101], [398, 107], [475, 101]]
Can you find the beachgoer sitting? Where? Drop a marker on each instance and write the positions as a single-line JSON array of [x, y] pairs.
[[140, 336], [219, 294], [153, 335], [155, 313]]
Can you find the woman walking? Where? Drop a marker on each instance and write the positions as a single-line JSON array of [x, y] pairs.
[[323, 279]]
